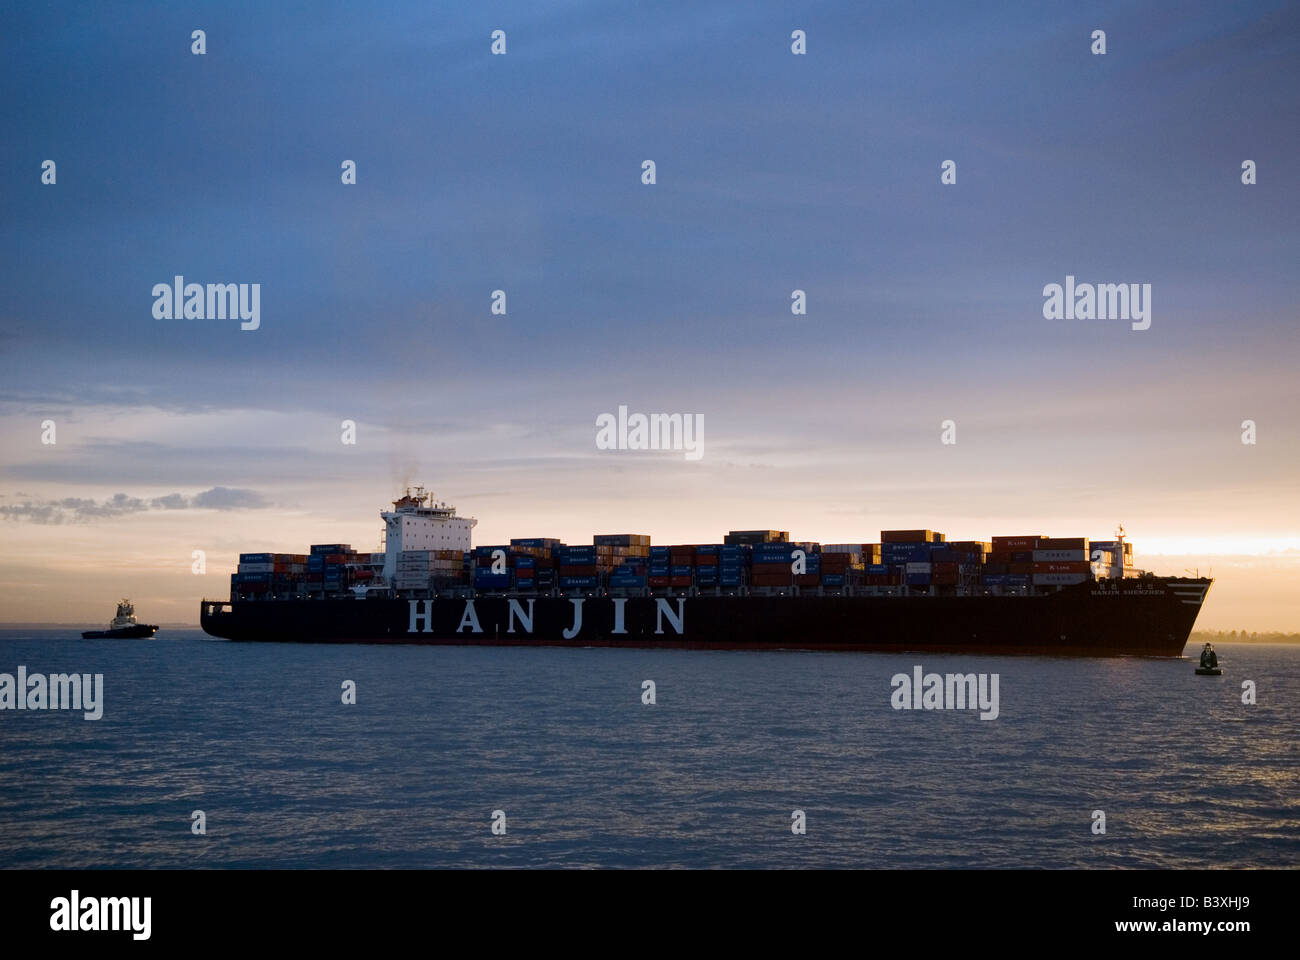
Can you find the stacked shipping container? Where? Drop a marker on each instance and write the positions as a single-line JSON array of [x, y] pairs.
[[915, 559]]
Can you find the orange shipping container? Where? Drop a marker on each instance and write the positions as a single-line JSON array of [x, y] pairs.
[[907, 536]]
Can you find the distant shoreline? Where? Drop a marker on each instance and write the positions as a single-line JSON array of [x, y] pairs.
[[1240, 636], [97, 625]]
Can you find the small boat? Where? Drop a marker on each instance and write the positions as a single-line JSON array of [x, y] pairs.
[[1209, 671], [123, 626]]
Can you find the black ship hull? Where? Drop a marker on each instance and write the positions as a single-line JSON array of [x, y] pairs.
[[138, 632], [1139, 617]]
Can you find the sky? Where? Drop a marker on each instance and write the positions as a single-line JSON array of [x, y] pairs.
[[522, 172]]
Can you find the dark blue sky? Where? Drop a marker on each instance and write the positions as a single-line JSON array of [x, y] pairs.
[[775, 172], [521, 172]]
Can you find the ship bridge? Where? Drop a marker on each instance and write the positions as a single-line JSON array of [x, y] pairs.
[[418, 522]]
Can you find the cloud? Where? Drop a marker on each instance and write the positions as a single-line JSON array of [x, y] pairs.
[[229, 498], [81, 510]]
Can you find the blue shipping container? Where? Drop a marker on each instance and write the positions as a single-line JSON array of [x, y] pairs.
[[905, 553]]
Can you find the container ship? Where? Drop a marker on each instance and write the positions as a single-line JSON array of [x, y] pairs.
[[756, 590]]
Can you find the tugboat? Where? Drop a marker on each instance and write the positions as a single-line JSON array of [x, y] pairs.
[[1209, 663], [123, 627]]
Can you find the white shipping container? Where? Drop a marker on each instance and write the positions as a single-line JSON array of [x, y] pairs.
[[918, 568], [1059, 579], [1060, 556]]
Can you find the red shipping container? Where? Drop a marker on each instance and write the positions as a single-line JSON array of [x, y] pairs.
[[658, 581], [943, 579], [944, 566], [907, 536], [807, 579], [1015, 543], [1020, 568], [706, 561], [679, 581], [1072, 566], [1062, 543]]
